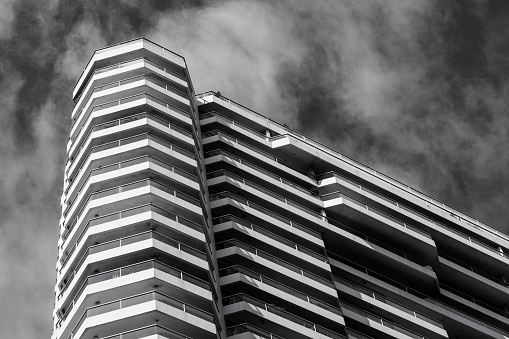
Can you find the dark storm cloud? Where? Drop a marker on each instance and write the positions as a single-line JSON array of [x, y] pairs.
[[417, 89]]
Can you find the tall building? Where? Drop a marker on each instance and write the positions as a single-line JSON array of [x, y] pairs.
[[191, 216]]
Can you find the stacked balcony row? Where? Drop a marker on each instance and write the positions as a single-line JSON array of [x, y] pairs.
[[272, 197], [132, 255]]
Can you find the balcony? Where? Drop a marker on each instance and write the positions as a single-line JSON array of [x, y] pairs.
[[211, 120], [379, 224], [255, 155], [378, 324], [122, 248], [353, 334], [120, 71], [235, 332], [131, 86], [116, 197], [270, 265], [113, 225], [222, 180], [218, 200], [101, 179], [486, 287], [484, 254], [126, 51], [126, 126], [136, 145], [374, 254], [108, 111], [115, 244], [455, 321], [226, 221], [411, 319], [222, 160], [159, 331], [304, 304], [277, 320], [139, 310], [90, 286]]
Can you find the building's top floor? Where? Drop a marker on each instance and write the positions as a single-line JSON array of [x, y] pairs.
[[282, 131], [125, 51]]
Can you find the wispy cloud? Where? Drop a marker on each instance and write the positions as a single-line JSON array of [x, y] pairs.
[[416, 89]]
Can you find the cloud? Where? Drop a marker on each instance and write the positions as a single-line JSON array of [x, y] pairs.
[[6, 16], [237, 47], [416, 89]]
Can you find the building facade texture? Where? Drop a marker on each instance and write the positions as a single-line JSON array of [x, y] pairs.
[[191, 216]]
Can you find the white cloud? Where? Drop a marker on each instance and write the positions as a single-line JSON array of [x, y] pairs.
[[237, 47]]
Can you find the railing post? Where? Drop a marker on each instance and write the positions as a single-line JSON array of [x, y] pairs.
[[324, 214]]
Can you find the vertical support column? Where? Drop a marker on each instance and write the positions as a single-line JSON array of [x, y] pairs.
[[324, 214], [268, 135]]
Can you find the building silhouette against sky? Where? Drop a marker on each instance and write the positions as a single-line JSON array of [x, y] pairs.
[[191, 216]]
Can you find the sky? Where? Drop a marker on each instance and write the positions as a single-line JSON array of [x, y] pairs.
[[417, 89]]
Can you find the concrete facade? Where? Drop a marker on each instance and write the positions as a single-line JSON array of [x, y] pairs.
[[192, 216]]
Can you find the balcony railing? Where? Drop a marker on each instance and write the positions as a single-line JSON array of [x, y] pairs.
[[124, 242], [127, 141], [123, 64], [371, 240], [262, 170], [375, 211], [126, 270], [278, 238], [128, 81], [271, 282], [463, 235], [427, 298], [474, 270], [382, 321], [353, 334], [468, 297], [128, 213], [263, 190], [248, 328], [161, 331], [237, 298], [122, 121], [256, 150], [125, 188], [371, 172], [128, 163], [315, 214], [413, 212], [387, 301], [228, 195], [233, 122], [262, 254], [102, 70], [121, 101], [140, 299]]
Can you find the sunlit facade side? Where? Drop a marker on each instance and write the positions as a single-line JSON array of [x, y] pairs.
[[192, 216]]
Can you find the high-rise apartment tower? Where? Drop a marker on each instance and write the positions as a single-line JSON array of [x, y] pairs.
[[191, 216]]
